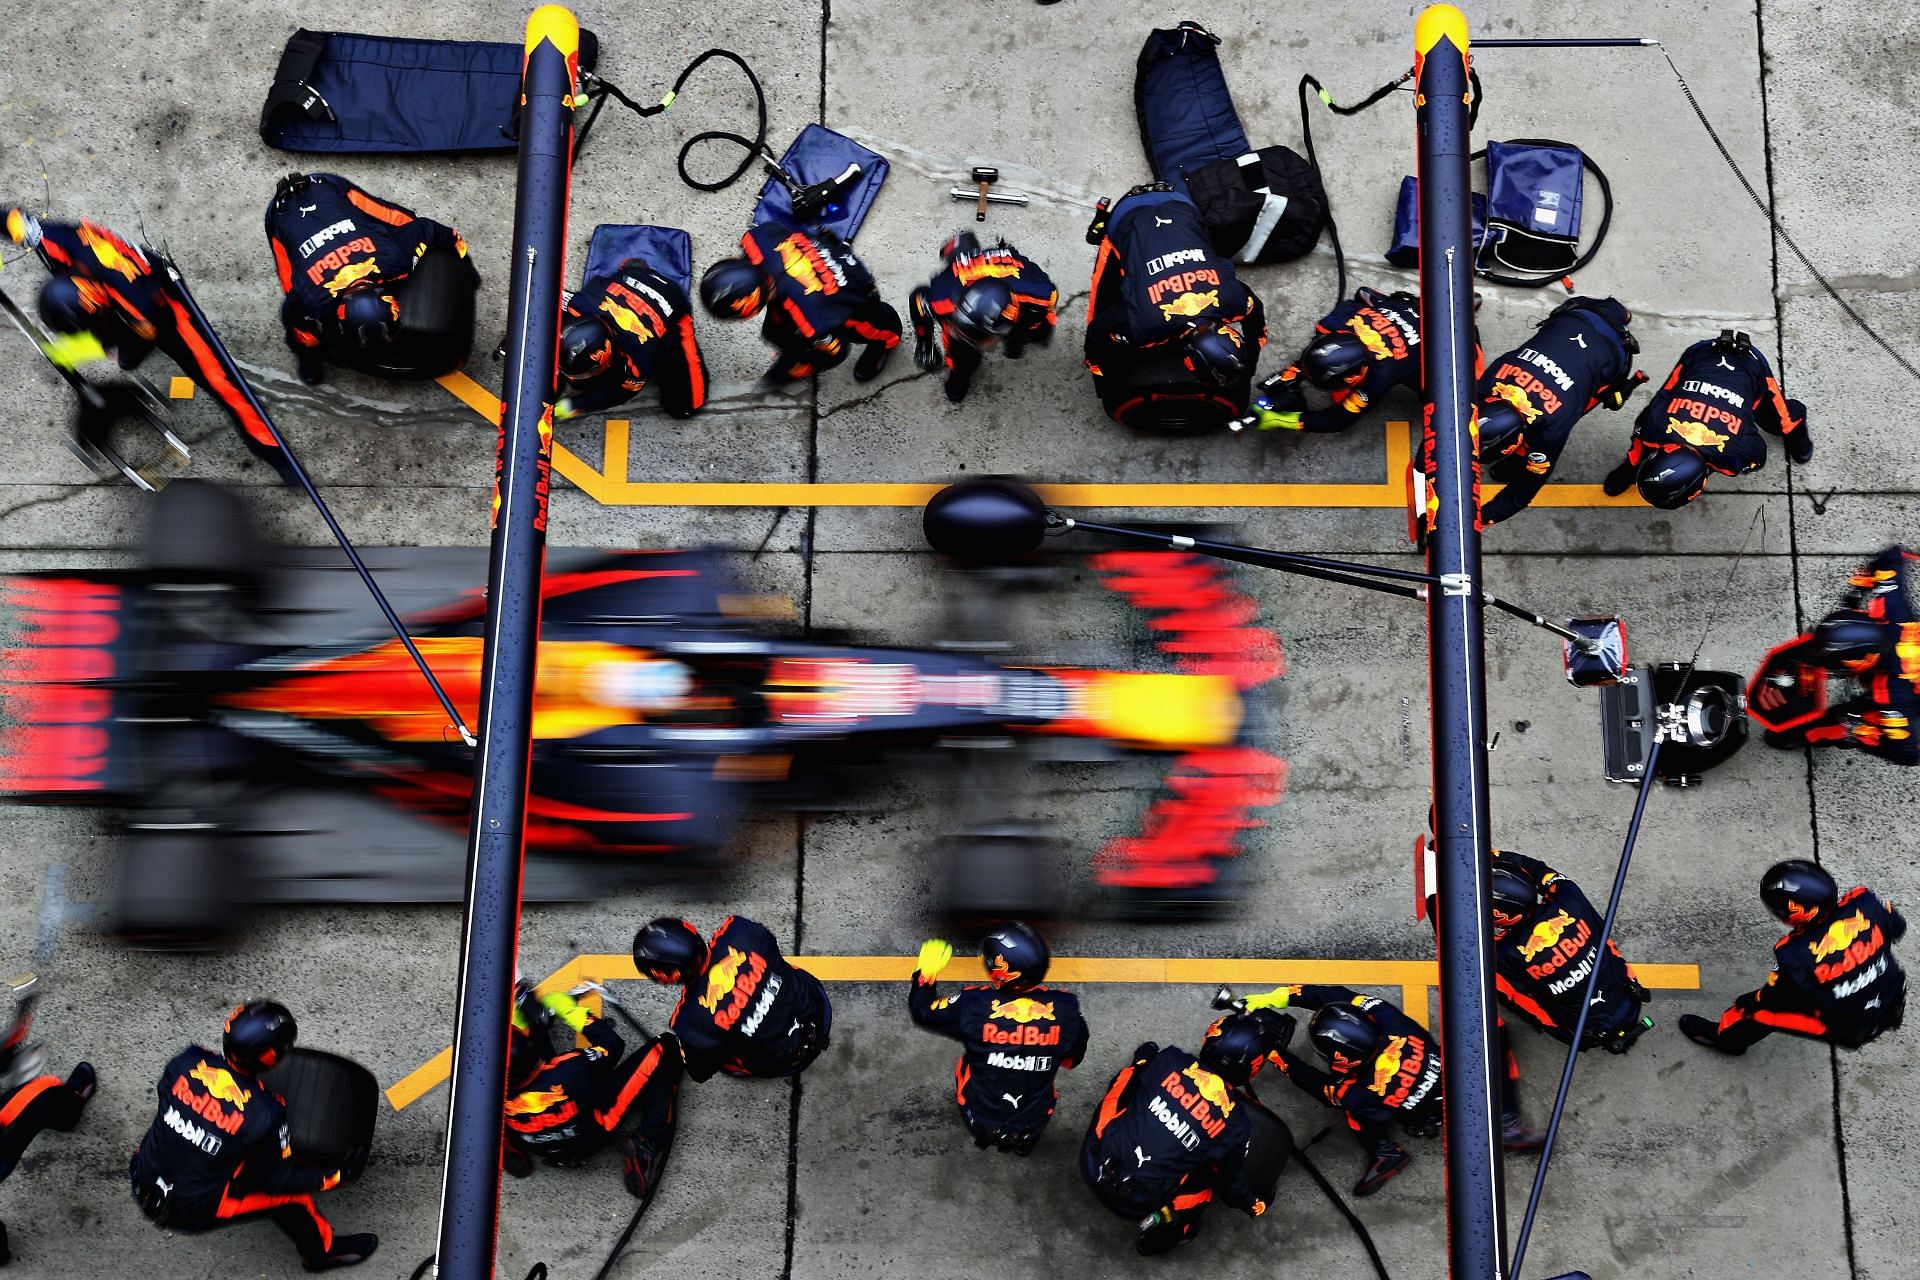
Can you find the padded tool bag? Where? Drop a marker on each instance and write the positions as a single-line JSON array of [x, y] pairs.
[[1533, 206], [339, 92], [819, 155], [1262, 206], [668, 250], [1186, 113], [1529, 220]]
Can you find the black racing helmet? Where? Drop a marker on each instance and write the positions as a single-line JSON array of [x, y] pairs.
[[1798, 891], [1016, 956], [258, 1035], [368, 316], [1671, 478], [734, 289], [1233, 1045], [1344, 1036], [1335, 360], [1216, 354], [1503, 430], [63, 308], [586, 348], [669, 950], [1849, 641], [984, 313], [1514, 896]]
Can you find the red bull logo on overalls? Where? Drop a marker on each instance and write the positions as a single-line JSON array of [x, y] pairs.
[[1025, 1013], [809, 268], [1203, 1095], [739, 974], [1853, 939]]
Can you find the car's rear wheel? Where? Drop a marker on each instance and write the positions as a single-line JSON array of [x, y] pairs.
[[176, 889], [204, 534]]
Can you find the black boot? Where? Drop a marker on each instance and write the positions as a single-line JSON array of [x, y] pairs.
[[347, 1251], [82, 1080], [1798, 444], [1516, 1136], [1386, 1162], [642, 1161], [1705, 1033], [1619, 480], [6, 1253]]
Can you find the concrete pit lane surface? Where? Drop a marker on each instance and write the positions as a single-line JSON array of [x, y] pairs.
[[1673, 1162]]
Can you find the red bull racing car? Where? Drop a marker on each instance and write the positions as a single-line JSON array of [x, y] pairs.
[[265, 741]]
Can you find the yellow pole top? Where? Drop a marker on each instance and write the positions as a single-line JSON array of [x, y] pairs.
[[1438, 22], [555, 24]]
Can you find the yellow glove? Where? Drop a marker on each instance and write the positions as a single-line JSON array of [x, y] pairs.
[[1268, 420], [563, 1006], [71, 350], [23, 228], [1274, 999], [935, 954]]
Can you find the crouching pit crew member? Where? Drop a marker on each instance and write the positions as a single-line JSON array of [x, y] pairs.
[[745, 1010], [343, 256], [1834, 976], [1016, 1035], [1873, 640], [621, 332], [1545, 933], [820, 301], [1360, 350], [218, 1151], [1171, 330], [562, 1108], [981, 299], [1707, 418], [1531, 398], [1172, 1134]]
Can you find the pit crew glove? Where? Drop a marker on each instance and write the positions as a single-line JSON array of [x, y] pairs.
[[935, 955]]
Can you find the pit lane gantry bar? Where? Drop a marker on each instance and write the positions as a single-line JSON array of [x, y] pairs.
[[496, 837], [1469, 1045]]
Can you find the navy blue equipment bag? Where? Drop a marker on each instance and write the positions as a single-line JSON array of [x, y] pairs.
[[819, 155], [1533, 206], [1186, 112], [339, 92], [668, 250], [1405, 250], [1261, 204], [1529, 220]]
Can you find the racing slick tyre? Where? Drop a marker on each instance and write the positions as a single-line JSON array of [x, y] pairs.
[[1156, 393], [1268, 1151], [332, 1104], [203, 534], [436, 303], [175, 890]]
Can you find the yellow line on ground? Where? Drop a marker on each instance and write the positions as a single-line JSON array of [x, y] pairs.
[[1414, 978], [610, 486]]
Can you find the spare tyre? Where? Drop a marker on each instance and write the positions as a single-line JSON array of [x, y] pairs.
[[1155, 392], [332, 1104]]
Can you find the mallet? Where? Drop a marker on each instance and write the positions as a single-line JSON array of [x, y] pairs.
[[984, 176]]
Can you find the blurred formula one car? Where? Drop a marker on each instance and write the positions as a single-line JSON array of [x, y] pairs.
[[266, 744]]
